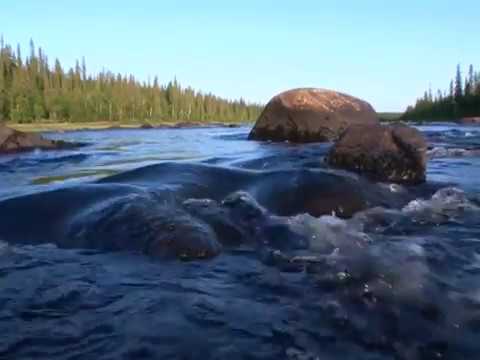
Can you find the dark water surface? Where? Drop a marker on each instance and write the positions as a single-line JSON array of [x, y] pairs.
[[398, 280]]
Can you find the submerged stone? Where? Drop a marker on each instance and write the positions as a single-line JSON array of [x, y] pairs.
[[143, 224]]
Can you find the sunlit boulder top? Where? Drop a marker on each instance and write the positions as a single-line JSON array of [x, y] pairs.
[[311, 115]]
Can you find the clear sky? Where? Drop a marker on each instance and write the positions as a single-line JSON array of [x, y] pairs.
[[387, 52]]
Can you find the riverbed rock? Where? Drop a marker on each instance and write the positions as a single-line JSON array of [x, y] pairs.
[[12, 141], [140, 222], [395, 153], [311, 115], [181, 210]]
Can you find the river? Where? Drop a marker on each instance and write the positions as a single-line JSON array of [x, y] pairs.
[[398, 280]]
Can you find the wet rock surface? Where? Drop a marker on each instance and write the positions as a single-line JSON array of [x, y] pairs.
[[181, 210], [310, 115], [387, 153]]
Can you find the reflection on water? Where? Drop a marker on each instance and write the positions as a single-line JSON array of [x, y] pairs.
[[81, 174], [112, 151]]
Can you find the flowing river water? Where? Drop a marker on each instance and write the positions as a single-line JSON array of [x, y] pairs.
[[389, 272]]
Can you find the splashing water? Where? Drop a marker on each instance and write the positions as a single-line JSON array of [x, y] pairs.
[[397, 280]]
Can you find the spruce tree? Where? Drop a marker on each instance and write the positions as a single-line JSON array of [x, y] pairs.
[[31, 91], [458, 84], [458, 102]]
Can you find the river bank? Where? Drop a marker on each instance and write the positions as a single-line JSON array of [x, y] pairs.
[[47, 126]]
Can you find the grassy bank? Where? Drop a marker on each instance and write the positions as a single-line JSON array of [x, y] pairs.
[[102, 125], [389, 116]]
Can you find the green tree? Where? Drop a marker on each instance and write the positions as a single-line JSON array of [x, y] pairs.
[[459, 102], [458, 84], [31, 90]]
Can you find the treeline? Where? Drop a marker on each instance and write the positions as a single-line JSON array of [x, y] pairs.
[[461, 100], [33, 90]]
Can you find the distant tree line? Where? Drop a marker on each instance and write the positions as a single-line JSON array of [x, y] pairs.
[[32, 90], [461, 100]]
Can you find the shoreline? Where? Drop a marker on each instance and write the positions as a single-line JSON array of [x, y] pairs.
[[105, 125]]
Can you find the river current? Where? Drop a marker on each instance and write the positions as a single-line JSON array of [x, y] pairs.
[[396, 279]]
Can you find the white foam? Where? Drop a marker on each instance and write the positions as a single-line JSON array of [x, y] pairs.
[[441, 152], [449, 202], [4, 247], [330, 234]]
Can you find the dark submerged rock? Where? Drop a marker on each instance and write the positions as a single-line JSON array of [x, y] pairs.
[[218, 217], [12, 141], [311, 115], [282, 192], [178, 210], [240, 219], [110, 217], [139, 222], [387, 153]]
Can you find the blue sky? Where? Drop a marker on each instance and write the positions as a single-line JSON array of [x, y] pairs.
[[387, 52]]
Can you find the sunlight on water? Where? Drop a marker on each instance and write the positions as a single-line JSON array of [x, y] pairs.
[[86, 174]]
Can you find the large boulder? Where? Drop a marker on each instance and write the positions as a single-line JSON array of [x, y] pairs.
[[12, 141], [311, 115], [395, 153]]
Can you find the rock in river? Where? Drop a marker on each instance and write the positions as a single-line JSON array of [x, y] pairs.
[[474, 120], [181, 210], [12, 141], [386, 153], [311, 115]]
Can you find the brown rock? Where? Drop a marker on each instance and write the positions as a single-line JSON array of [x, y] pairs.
[[311, 115], [12, 141], [387, 153], [475, 120]]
